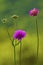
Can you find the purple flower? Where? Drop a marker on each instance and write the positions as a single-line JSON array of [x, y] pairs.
[[19, 34], [34, 12]]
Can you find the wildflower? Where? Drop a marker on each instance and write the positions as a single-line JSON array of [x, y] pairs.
[[15, 16], [34, 12], [4, 20], [19, 34]]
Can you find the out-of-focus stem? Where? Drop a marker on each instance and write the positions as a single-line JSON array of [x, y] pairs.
[[8, 32], [37, 40], [14, 56], [20, 51]]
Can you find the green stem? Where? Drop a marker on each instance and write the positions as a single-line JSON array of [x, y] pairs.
[[14, 56], [20, 51], [37, 40], [8, 32], [13, 42], [14, 45], [17, 43], [9, 35], [14, 52]]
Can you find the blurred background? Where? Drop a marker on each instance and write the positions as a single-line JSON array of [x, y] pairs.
[[24, 22]]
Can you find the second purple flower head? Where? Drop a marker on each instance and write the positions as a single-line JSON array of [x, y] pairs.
[[34, 12], [19, 34]]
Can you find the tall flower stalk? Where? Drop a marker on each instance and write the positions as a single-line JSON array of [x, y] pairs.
[[12, 40], [19, 34], [35, 12], [37, 39], [14, 46], [14, 55], [20, 51]]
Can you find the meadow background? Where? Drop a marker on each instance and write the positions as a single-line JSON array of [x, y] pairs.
[[25, 22]]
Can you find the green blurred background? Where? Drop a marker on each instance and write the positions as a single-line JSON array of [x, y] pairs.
[[25, 22]]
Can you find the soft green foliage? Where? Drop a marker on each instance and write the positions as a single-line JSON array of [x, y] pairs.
[[25, 22]]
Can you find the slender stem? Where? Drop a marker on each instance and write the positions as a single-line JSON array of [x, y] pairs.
[[13, 42], [14, 56], [14, 51], [8, 32], [37, 40], [17, 43], [12, 45], [9, 35], [20, 51]]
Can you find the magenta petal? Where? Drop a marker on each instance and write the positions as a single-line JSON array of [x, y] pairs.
[[34, 12], [19, 34]]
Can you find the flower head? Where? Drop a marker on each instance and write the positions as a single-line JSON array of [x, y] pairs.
[[19, 34], [15, 16], [4, 20], [34, 12]]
